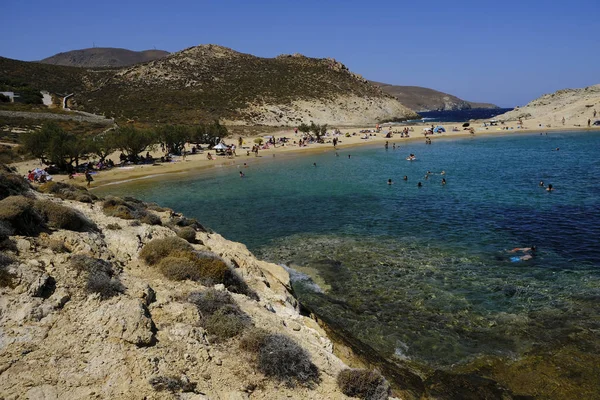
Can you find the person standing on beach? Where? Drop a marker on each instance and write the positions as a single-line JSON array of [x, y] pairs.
[[88, 177], [563, 120], [589, 122]]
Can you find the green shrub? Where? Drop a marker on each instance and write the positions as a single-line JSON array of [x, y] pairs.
[[281, 358], [227, 322], [188, 234], [113, 227], [213, 270], [157, 249], [364, 384], [11, 184], [61, 217], [18, 213], [67, 192], [171, 384], [150, 219]]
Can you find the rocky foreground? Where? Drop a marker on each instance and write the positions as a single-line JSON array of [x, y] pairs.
[[83, 316]]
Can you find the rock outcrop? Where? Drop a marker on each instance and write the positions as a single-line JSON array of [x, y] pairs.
[[59, 341], [103, 57], [576, 106]]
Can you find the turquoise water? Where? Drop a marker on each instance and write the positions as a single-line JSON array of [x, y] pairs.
[[423, 274]]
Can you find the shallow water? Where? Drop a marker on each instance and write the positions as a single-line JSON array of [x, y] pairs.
[[423, 274]]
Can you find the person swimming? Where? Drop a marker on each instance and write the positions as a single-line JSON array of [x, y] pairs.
[[390, 182], [541, 183], [405, 178], [242, 174], [443, 181], [419, 184], [528, 253], [550, 188]]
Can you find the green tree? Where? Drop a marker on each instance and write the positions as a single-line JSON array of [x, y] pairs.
[[102, 145], [53, 145], [304, 128], [133, 141], [210, 134], [174, 137]]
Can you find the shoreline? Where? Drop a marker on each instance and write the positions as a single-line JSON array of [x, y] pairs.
[[198, 162]]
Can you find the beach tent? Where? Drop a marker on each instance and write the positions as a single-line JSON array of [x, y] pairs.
[[439, 129]]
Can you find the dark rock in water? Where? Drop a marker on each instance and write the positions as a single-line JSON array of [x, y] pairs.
[[446, 386]]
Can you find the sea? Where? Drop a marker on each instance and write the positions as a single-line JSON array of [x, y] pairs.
[[426, 277]]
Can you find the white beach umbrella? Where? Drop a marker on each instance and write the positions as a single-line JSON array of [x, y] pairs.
[[220, 146]]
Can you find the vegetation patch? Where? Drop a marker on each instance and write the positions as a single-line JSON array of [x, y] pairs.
[[157, 249], [60, 217], [18, 214], [179, 268], [114, 227], [121, 208], [188, 234], [99, 274], [219, 313], [187, 222], [171, 384], [6, 278], [150, 219], [283, 359], [68, 192], [363, 383], [11, 184]]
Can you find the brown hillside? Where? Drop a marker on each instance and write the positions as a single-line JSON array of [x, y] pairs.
[[103, 57], [423, 99]]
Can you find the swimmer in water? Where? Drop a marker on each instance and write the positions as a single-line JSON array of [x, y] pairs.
[[443, 181], [419, 184], [443, 173], [541, 183], [550, 188], [405, 178], [242, 174], [315, 164], [529, 253], [390, 182]]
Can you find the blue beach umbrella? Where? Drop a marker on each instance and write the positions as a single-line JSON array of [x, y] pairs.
[[438, 129]]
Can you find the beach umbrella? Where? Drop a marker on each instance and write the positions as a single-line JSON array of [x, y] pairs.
[[466, 124], [220, 146], [439, 129]]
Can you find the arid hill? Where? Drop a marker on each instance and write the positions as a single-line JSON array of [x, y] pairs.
[[576, 106], [423, 99], [210, 82], [103, 57]]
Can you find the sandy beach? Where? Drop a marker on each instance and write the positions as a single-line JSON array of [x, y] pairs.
[[199, 161]]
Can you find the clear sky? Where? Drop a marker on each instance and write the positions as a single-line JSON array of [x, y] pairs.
[[504, 52]]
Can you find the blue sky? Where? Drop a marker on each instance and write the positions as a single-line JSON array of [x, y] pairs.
[[507, 53]]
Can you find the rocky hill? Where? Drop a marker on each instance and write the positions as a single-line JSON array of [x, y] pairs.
[[103, 57], [423, 99], [84, 314], [212, 82], [576, 106]]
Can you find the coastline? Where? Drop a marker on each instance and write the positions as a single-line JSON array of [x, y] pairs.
[[198, 162]]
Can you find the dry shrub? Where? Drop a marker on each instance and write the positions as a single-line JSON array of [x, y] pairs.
[[157, 208], [283, 359], [121, 208], [6, 278], [187, 233], [253, 339], [157, 249], [171, 384], [150, 219], [209, 301], [61, 217], [113, 227], [213, 270], [363, 383], [57, 246], [67, 192], [179, 268], [99, 274], [11, 184], [189, 222], [17, 212], [227, 322]]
